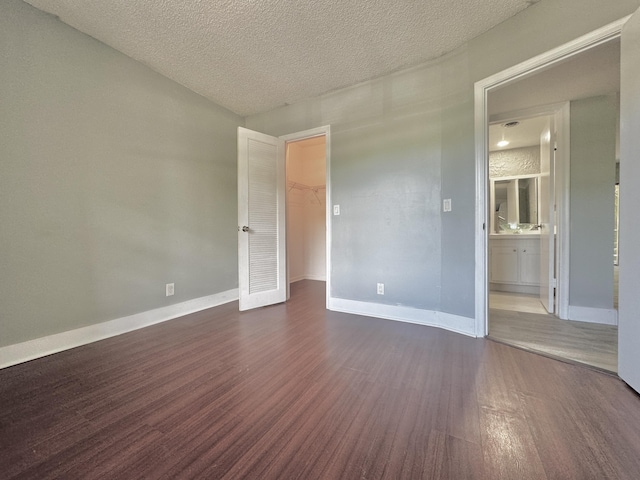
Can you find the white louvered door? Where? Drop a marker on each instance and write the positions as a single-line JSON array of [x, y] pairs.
[[261, 220]]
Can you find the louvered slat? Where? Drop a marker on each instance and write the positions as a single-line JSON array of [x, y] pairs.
[[263, 218]]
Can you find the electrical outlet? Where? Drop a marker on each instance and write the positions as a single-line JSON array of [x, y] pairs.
[[336, 209], [380, 290], [446, 205], [170, 289]]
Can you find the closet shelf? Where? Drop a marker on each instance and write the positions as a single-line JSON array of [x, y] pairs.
[[315, 189], [302, 186]]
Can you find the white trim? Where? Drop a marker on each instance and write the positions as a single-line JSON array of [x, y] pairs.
[[298, 278], [607, 316], [556, 55], [482, 206], [563, 205], [430, 318], [510, 288], [316, 132], [561, 113], [481, 90], [40, 347], [537, 111], [317, 278], [517, 177]]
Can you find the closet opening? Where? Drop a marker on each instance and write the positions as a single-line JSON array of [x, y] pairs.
[[306, 185]]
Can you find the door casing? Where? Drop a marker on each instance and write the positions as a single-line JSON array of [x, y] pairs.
[[561, 116], [304, 135], [481, 92]]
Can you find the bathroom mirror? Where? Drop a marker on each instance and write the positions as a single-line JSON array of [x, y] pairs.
[[514, 204]]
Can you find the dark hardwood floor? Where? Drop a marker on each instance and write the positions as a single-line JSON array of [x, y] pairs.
[[295, 391]]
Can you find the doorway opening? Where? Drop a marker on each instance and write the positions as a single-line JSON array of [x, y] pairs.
[[519, 255], [306, 183], [311, 172], [516, 89]]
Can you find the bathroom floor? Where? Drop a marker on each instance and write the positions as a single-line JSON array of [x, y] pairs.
[[522, 321], [516, 302]]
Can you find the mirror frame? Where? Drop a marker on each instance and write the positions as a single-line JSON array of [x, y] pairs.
[[493, 228]]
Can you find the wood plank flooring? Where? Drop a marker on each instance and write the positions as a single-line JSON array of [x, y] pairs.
[[517, 302], [513, 320], [294, 391]]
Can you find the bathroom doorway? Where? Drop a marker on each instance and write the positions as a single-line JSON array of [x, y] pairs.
[[584, 327], [515, 224]]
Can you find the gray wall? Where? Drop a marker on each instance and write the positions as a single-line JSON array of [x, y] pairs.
[[113, 181], [593, 169], [404, 142], [385, 173]]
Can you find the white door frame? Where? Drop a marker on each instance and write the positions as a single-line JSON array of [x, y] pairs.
[[561, 113], [303, 135], [481, 92]]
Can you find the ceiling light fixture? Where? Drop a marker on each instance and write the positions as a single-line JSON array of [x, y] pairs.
[[503, 142]]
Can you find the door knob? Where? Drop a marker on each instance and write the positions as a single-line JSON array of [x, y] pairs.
[[245, 229]]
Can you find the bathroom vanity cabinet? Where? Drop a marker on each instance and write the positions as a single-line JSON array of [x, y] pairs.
[[514, 261]]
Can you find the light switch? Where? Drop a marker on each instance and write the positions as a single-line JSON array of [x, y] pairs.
[[336, 209], [446, 205]]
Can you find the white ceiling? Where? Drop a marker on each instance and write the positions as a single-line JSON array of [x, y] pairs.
[[253, 56], [588, 74], [525, 134]]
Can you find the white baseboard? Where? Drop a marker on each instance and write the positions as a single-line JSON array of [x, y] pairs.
[[526, 289], [40, 347], [431, 318], [320, 278], [607, 316]]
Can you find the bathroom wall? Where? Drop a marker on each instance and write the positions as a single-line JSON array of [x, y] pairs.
[[515, 161]]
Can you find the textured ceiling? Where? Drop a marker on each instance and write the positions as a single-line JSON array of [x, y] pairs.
[[251, 56]]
